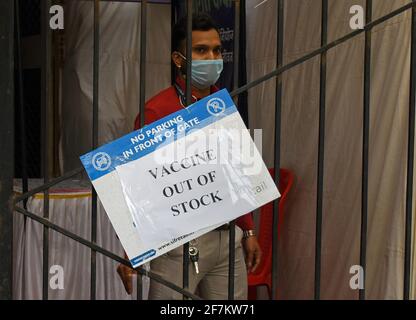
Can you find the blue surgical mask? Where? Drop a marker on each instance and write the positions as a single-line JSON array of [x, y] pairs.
[[205, 73]]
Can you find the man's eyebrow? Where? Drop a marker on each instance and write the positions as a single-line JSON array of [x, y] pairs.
[[205, 46], [201, 46]]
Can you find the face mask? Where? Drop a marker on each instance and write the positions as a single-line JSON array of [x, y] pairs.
[[205, 73]]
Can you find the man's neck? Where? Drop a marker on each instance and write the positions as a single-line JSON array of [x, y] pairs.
[[199, 93]]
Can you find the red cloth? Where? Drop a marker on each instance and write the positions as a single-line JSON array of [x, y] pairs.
[[167, 102]]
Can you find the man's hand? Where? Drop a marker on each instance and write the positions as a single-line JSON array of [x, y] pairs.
[[126, 274], [252, 252]]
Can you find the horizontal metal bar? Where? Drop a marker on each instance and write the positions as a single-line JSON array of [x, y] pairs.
[[321, 50], [46, 186], [104, 252]]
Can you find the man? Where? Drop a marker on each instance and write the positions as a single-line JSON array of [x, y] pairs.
[[212, 280]]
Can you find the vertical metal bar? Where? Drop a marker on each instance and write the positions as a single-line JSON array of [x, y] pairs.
[[143, 49], [231, 261], [321, 151], [366, 140], [277, 143], [23, 153], [22, 124], [189, 52], [185, 275], [410, 161], [172, 24], [7, 145], [45, 105], [139, 285], [96, 66], [236, 55], [231, 241]]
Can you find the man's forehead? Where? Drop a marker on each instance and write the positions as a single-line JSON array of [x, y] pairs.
[[210, 37]]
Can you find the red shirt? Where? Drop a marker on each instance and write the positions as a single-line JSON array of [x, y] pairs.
[[167, 102]]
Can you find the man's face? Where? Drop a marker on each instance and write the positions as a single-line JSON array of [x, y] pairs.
[[206, 45]]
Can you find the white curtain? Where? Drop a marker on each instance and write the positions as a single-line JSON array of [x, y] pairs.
[[70, 208], [119, 76], [343, 144]]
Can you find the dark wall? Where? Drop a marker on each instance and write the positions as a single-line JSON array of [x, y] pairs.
[[6, 145], [31, 79]]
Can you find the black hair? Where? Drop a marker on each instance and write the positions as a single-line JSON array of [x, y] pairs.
[[200, 22]]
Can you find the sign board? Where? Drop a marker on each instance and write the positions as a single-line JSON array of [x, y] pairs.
[[180, 177]]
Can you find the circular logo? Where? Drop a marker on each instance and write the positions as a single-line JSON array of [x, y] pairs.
[[101, 161], [216, 106]]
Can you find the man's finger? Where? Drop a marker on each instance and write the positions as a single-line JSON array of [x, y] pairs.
[[128, 283], [249, 260], [257, 259], [126, 277]]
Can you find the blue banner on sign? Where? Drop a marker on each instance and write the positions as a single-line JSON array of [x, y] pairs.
[[143, 257], [144, 141]]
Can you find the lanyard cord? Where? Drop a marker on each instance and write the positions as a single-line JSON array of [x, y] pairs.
[[181, 95]]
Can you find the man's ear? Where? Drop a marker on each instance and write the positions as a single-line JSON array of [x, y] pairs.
[[177, 59]]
